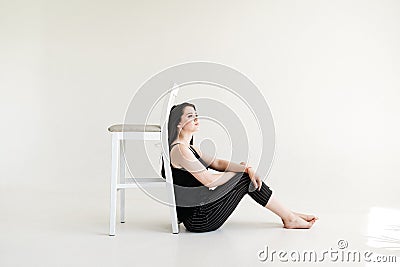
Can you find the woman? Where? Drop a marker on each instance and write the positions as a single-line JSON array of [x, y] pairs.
[[189, 167]]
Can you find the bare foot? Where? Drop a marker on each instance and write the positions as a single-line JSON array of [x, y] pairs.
[[306, 217], [297, 222]]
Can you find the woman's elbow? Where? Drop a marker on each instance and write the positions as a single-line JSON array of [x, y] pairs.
[[209, 180]]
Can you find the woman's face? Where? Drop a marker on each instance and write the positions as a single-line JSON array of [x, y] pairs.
[[189, 121]]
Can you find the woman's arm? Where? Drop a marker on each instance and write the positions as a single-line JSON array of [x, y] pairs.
[[242, 167], [221, 164], [225, 165], [228, 168]]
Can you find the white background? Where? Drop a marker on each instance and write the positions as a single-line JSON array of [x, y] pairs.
[[328, 69]]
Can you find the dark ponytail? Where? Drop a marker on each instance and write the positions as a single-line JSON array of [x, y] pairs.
[[173, 121]]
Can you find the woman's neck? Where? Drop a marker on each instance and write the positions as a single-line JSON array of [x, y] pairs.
[[184, 138]]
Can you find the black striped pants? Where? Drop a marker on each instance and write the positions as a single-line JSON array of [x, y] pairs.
[[211, 216]]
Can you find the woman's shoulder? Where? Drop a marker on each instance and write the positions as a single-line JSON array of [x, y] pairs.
[[173, 145], [179, 151], [182, 150], [175, 155]]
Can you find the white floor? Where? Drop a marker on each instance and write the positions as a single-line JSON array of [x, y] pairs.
[[62, 228]]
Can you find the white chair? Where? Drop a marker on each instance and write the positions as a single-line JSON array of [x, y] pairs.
[[121, 133]]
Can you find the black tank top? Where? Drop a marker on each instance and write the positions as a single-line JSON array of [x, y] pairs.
[[184, 178]]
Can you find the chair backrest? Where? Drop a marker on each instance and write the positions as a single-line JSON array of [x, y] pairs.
[[168, 103]]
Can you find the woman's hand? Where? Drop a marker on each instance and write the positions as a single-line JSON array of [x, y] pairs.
[[254, 177]]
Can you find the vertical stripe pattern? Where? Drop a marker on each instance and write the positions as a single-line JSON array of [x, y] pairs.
[[211, 216]]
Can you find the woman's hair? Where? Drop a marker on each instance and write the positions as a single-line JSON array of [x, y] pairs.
[[173, 121]]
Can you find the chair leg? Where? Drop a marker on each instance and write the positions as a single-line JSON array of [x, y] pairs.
[[122, 180], [114, 175], [175, 225], [172, 209]]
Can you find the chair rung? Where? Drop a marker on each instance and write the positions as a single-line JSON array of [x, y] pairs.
[[144, 182]]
